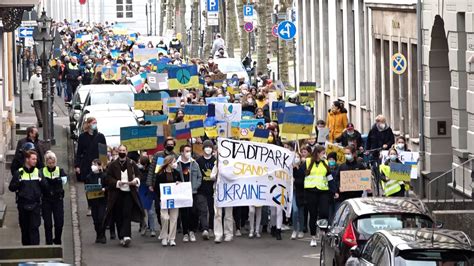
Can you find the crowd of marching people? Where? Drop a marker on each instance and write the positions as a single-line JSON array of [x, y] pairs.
[[130, 181]]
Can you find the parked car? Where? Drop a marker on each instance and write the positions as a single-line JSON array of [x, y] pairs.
[[358, 219], [231, 66], [109, 124], [77, 101], [415, 247]]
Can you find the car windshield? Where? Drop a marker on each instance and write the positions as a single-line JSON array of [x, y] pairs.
[[227, 66], [368, 225], [110, 126], [81, 96], [435, 258], [112, 97]]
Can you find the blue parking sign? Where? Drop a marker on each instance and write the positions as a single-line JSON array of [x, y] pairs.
[[170, 204], [248, 11], [166, 190], [212, 5]]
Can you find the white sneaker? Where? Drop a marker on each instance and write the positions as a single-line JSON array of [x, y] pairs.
[[257, 234], [192, 237], [218, 240], [205, 235], [313, 243], [238, 233], [172, 243], [153, 234], [300, 235], [251, 235], [126, 241], [164, 242], [228, 238], [293, 235], [285, 227], [186, 238]]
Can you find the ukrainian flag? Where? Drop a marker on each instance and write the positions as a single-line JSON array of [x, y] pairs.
[[197, 128], [148, 101], [210, 127], [261, 135], [195, 112], [157, 119], [298, 123], [183, 77], [138, 137]]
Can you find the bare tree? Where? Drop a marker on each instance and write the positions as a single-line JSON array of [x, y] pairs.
[[231, 27], [270, 39], [170, 12], [181, 15], [262, 38], [244, 36], [283, 51], [195, 29], [162, 17], [207, 39]]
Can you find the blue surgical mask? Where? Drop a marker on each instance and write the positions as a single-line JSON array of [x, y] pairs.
[[332, 163], [393, 157], [94, 126]]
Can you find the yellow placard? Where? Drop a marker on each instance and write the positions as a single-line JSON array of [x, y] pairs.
[[341, 158], [140, 144], [95, 194], [148, 105]]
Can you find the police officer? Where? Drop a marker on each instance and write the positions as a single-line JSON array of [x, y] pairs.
[[88, 73], [316, 189], [53, 205], [175, 44], [73, 76], [29, 187]]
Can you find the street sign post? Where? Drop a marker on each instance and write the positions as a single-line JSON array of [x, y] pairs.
[[275, 30], [212, 6], [248, 27], [248, 13], [25, 32], [213, 12], [399, 63], [286, 30]]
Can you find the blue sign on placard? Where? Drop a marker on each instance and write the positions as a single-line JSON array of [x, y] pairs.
[[212, 5], [166, 190], [24, 32], [286, 30], [248, 11]]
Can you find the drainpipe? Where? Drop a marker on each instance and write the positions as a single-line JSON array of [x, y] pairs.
[[421, 107]]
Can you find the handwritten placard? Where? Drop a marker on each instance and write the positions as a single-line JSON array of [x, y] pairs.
[[94, 191], [356, 180]]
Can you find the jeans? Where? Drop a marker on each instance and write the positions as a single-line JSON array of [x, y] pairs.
[[38, 105], [255, 218], [297, 216], [188, 220], [150, 213], [200, 210], [240, 216], [276, 217], [60, 87]]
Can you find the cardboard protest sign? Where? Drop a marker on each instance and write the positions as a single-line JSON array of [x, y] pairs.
[[103, 154], [157, 81], [356, 180], [341, 158], [94, 191], [252, 173], [400, 172], [406, 157], [156, 119], [228, 112], [323, 134], [171, 102], [195, 112], [307, 92], [247, 127], [138, 137], [175, 196], [298, 123], [144, 54]]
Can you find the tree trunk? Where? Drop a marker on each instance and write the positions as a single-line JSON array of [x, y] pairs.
[[222, 17], [231, 27], [169, 14], [195, 30], [270, 39], [262, 38], [207, 40], [181, 15], [162, 17], [283, 51], [244, 36]]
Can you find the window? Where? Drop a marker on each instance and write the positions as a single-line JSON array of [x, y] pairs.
[[385, 258], [338, 215], [124, 9], [344, 216], [369, 248]]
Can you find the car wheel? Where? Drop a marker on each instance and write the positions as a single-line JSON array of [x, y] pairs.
[[321, 256]]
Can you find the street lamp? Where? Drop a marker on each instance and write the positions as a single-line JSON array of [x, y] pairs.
[[43, 46]]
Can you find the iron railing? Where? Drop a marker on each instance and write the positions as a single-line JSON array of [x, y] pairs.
[[447, 185]]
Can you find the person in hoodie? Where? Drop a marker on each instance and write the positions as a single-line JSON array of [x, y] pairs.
[[352, 163], [52, 206], [337, 120], [96, 177], [297, 209], [189, 171], [350, 137], [381, 135], [206, 190]]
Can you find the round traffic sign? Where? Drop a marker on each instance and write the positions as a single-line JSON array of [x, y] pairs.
[[286, 30], [398, 63], [248, 26], [275, 30]]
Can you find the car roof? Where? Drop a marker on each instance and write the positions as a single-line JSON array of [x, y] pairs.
[[105, 87], [107, 107], [112, 88], [427, 238], [373, 205], [227, 59], [106, 114]]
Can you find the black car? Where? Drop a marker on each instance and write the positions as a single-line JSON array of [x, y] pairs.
[[415, 247], [358, 219]]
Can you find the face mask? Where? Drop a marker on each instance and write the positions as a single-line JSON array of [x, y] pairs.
[[381, 126], [140, 166], [208, 150], [297, 160], [332, 163], [94, 126], [170, 148], [349, 157], [174, 165], [89, 65], [393, 157], [95, 168], [124, 73], [187, 155], [122, 155], [401, 146]]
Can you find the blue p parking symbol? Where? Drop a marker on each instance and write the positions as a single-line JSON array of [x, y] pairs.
[[170, 204], [166, 190]]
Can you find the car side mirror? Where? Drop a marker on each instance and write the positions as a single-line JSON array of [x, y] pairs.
[[323, 224], [355, 252], [438, 225]]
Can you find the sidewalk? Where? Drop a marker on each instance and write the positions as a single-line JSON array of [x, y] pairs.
[[10, 233]]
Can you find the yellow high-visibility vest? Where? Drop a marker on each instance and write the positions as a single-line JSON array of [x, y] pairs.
[[29, 176], [317, 177], [391, 186], [51, 175]]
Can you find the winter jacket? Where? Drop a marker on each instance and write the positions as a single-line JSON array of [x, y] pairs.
[[377, 138], [87, 151], [350, 166], [337, 122], [195, 175], [345, 139], [35, 88]]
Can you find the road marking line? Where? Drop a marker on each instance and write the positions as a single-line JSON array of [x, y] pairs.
[[312, 256]]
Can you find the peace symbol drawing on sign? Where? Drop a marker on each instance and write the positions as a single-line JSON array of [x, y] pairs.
[[183, 76]]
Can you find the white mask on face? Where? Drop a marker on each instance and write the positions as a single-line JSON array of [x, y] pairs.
[[174, 165], [297, 160], [400, 146], [187, 155], [208, 151], [95, 168]]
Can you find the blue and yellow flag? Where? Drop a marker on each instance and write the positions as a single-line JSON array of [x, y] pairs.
[[156, 119], [197, 128], [183, 77], [138, 137], [297, 123], [261, 135], [195, 112], [148, 101]]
